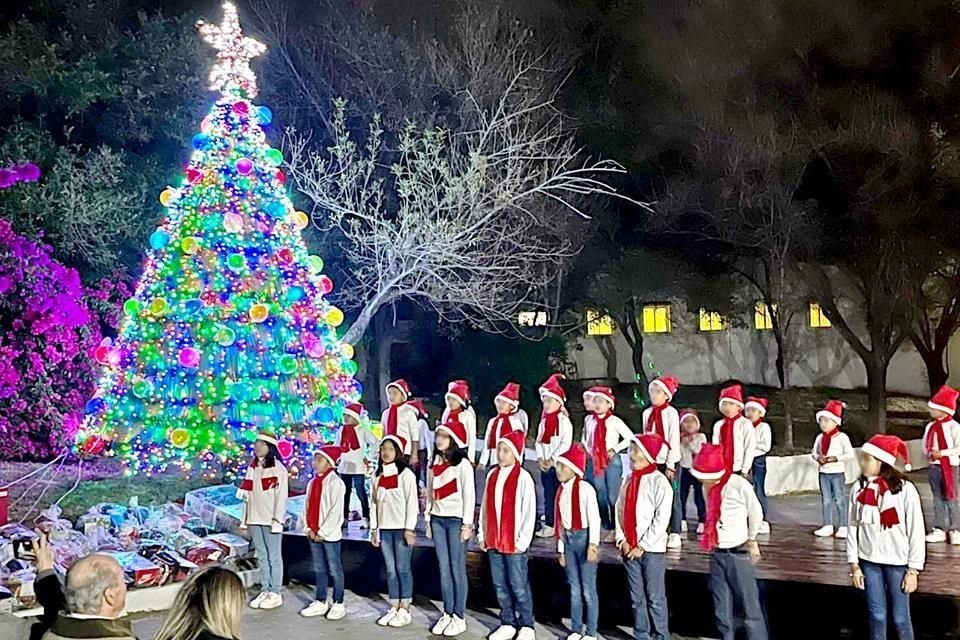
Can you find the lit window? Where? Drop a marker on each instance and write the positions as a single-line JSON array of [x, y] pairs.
[[762, 320], [818, 319], [656, 318], [599, 324], [711, 320], [532, 318]]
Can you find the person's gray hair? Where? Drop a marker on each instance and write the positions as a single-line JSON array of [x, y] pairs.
[[87, 581]]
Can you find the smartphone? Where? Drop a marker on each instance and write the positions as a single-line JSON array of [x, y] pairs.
[[24, 549]]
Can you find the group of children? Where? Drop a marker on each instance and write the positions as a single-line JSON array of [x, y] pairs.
[[589, 500]]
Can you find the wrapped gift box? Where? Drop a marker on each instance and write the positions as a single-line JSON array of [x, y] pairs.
[[217, 507], [233, 545], [205, 553], [139, 571]]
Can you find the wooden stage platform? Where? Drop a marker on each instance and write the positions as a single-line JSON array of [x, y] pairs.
[[804, 583]]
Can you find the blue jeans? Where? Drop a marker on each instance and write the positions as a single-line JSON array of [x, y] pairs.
[[832, 494], [648, 593], [882, 588], [945, 516], [355, 482], [452, 558], [508, 571], [327, 567], [690, 482], [396, 558], [676, 512], [733, 584], [607, 485], [267, 546], [760, 481], [550, 485], [582, 578]]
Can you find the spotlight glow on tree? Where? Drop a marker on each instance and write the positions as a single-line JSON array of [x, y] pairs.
[[228, 331]]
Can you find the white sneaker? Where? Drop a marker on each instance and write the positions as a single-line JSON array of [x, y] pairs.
[[674, 541], [315, 608], [271, 601], [365, 523], [385, 619], [841, 532], [546, 532], [574, 636], [400, 619], [764, 527], [503, 632], [825, 531], [700, 529], [683, 526], [526, 633], [337, 611], [457, 626], [937, 535], [588, 637], [256, 602], [442, 623]]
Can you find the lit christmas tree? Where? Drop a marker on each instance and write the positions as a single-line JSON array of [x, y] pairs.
[[228, 331]]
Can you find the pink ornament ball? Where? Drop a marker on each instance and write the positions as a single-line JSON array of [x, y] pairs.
[[244, 166], [206, 124], [285, 448], [93, 445], [241, 108], [326, 284], [314, 347], [194, 176], [189, 358]]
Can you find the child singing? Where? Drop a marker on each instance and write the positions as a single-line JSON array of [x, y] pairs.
[[353, 440], [323, 514], [662, 419], [734, 433], [941, 446], [458, 404], [508, 419], [400, 419], [691, 440], [554, 436], [831, 450], [606, 436], [755, 411]]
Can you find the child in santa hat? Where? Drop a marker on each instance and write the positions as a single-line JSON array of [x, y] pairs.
[[353, 439], [643, 513], [578, 540], [941, 446], [451, 498], [755, 411], [732, 545], [885, 547], [691, 440], [264, 491], [393, 525], [605, 437], [734, 433], [458, 405], [831, 450], [554, 436], [508, 515], [400, 419], [426, 438], [662, 419], [508, 419], [323, 514]]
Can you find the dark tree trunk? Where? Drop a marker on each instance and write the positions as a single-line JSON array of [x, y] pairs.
[[877, 395], [634, 337], [937, 373]]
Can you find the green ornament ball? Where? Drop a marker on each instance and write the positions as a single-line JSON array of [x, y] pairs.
[[315, 264], [274, 157], [131, 307], [236, 261], [287, 364]]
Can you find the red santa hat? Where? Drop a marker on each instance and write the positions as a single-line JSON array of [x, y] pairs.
[[689, 413], [456, 430], [397, 440], [330, 452], [510, 394], [652, 446], [760, 404], [460, 383], [552, 389], [833, 410], [354, 410], [605, 393], [419, 407], [575, 459], [945, 399], [667, 384], [732, 393], [886, 448], [588, 393], [268, 436], [515, 442], [400, 385], [708, 463], [459, 393]]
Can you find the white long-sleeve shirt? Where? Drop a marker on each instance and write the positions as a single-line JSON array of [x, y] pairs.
[[331, 508], [744, 443], [525, 509], [407, 427], [264, 494], [488, 455], [618, 435], [671, 431], [951, 433], [395, 508], [454, 493], [764, 439], [653, 508], [740, 513], [840, 448], [352, 462], [468, 418], [589, 510], [902, 544], [559, 443], [689, 448]]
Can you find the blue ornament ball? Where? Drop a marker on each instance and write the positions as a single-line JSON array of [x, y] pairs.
[[159, 239], [200, 141], [324, 414], [295, 293], [265, 115], [276, 209], [94, 406]]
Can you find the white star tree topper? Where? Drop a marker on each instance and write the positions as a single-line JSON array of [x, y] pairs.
[[232, 73]]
